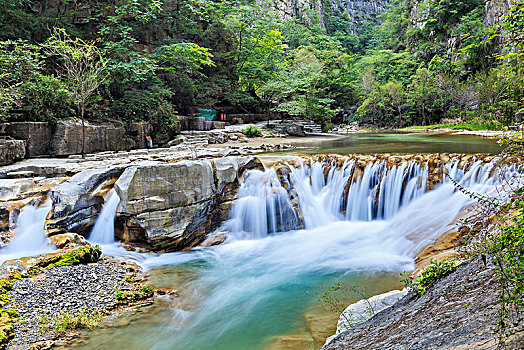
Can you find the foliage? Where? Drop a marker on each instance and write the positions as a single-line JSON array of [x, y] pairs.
[[430, 275], [7, 316], [413, 65], [252, 131], [67, 321], [259, 53], [332, 298]]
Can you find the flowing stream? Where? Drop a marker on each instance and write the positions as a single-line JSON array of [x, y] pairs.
[[285, 245], [30, 239], [103, 232]]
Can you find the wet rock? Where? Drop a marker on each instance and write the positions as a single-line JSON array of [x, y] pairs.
[[68, 240], [11, 151], [78, 201], [174, 206]]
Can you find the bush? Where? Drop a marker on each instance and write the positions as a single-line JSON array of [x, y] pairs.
[[431, 275], [252, 131]]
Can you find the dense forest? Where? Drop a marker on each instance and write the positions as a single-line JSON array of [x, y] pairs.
[[149, 60]]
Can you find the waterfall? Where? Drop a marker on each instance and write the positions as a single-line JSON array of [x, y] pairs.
[[104, 230], [378, 192], [30, 238], [263, 207], [291, 231]]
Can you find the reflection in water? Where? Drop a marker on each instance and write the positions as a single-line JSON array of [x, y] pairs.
[[371, 143]]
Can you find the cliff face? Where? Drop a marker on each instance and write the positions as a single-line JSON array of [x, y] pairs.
[[497, 9], [359, 10], [304, 10]]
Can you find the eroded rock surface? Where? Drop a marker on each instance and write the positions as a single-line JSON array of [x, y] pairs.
[[174, 206], [459, 312], [11, 151]]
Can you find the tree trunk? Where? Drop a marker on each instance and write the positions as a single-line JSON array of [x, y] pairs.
[[82, 108]]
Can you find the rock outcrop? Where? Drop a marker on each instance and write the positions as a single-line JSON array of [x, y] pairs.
[[11, 151], [37, 136], [68, 136], [78, 201], [365, 309], [174, 206], [459, 312]]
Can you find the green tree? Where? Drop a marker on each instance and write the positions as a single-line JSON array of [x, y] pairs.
[[81, 65], [259, 53]]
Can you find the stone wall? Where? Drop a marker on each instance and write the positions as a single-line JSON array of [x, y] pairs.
[[68, 136], [37, 136]]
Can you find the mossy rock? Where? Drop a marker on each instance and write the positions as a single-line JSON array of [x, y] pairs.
[[82, 255], [5, 288], [6, 330]]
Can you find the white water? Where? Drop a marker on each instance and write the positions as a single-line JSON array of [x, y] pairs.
[[245, 291], [30, 238], [104, 230]]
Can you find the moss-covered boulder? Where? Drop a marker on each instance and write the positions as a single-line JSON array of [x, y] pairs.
[[82, 255]]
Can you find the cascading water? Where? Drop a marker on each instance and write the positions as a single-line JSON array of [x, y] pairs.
[[30, 238], [263, 207], [242, 293], [104, 230]]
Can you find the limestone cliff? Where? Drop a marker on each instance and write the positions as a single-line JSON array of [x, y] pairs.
[[305, 10]]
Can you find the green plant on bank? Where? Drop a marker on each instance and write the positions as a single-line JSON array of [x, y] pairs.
[[252, 131], [430, 275], [7, 316], [67, 321], [482, 125], [332, 297], [138, 293]]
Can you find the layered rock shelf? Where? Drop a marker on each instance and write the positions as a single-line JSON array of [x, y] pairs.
[[169, 200]]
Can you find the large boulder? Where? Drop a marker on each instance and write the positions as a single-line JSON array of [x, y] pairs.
[[11, 151], [37, 136], [68, 136], [78, 201], [138, 132], [174, 206], [68, 240], [295, 130]]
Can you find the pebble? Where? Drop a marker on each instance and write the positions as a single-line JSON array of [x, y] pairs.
[[64, 288]]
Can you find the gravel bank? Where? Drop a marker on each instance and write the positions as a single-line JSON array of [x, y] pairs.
[[64, 288]]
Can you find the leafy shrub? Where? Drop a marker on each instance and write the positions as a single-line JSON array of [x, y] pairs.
[[252, 131], [431, 275]]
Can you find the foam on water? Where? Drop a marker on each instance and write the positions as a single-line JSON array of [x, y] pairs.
[[30, 238], [252, 287], [104, 230]]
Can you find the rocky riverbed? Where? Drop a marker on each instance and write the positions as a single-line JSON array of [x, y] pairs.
[[93, 289]]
